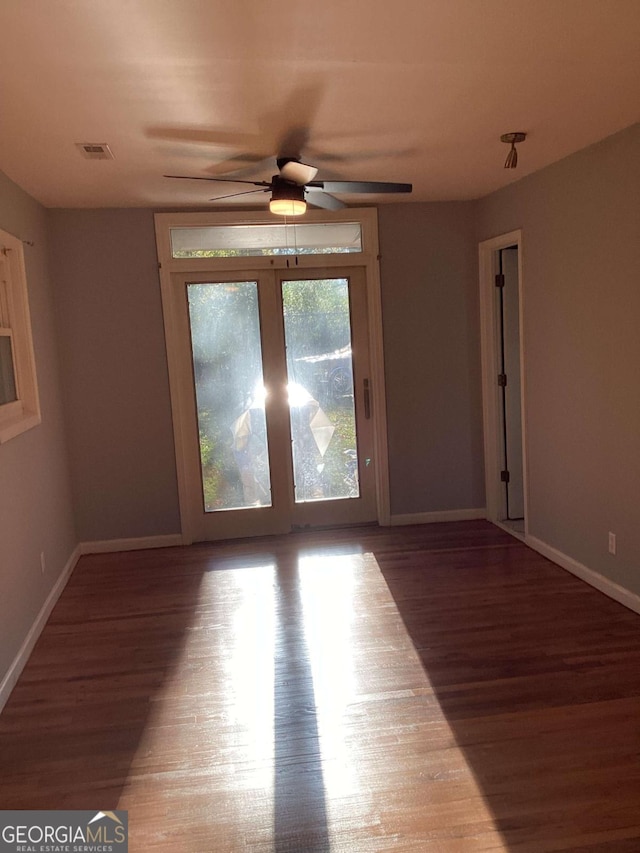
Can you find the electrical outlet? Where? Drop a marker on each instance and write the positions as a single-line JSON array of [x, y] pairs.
[[43, 564], [612, 543]]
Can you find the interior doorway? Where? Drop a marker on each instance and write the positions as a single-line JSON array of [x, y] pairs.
[[503, 381]]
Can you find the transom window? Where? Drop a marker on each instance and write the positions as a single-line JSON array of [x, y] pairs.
[[260, 240]]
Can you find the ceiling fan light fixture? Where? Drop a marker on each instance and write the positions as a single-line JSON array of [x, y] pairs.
[[511, 139], [287, 199], [287, 206]]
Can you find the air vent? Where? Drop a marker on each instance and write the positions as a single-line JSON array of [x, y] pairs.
[[95, 150]]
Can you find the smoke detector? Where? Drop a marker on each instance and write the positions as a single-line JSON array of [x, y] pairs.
[[95, 150]]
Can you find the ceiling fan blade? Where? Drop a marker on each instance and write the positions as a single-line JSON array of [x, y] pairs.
[[206, 136], [360, 187], [242, 167], [293, 141], [222, 180], [324, 200], [297, 172], [245, 192]]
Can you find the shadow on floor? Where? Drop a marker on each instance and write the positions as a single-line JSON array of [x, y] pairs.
[[537, 675]]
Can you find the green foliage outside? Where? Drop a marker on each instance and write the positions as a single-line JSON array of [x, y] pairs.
[[344, 438], [279, 251], [227, 368], [220, 491]]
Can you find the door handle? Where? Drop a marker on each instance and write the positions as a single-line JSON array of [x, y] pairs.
[[367, 399]]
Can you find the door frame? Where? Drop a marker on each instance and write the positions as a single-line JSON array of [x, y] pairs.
[[491, 404], [368, 260]]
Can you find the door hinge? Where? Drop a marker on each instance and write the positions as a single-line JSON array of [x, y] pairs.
[[500, 280], [502, 380], [504, 476]]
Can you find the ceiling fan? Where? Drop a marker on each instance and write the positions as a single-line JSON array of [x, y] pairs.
[[294, 186]]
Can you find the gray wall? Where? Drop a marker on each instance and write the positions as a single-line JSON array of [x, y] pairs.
[[115, 372], [114, 367], [432, 356], [581, 272], [35, 497]]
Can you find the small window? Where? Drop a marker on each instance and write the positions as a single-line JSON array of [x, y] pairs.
[[8, 391], [19, 407], [235, 241]]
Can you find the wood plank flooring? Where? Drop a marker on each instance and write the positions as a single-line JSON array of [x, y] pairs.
[[437, 688]]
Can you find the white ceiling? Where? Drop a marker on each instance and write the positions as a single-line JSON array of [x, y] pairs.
[[409, 90]]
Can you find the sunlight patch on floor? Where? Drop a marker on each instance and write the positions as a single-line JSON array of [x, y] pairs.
[[298, 696], [327, 594]]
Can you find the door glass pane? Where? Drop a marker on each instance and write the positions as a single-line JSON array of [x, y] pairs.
[[320, 375], [227, 367], [8, 393]]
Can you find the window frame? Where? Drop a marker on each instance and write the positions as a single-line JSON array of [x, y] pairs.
[[21, 414]]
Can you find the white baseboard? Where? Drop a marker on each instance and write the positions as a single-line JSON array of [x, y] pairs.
[[595, 579], [442, 515], [108, 546], [510, 530], [20, 660]]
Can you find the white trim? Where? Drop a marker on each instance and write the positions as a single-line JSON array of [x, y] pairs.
[[506, 526], [16, 426], [367, 259], [442, 515], [176, 391], [600, 582], [164, 222], [24, 413], [140, 543], [20, 660], [376, 363], [490, 391]]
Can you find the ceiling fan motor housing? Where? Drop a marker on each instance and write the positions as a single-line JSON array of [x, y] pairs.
[[281, 189]]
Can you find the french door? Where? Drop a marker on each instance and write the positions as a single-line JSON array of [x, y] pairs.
[[275, 400]]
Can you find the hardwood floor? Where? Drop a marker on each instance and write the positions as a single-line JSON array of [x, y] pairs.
[[438, 688]]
